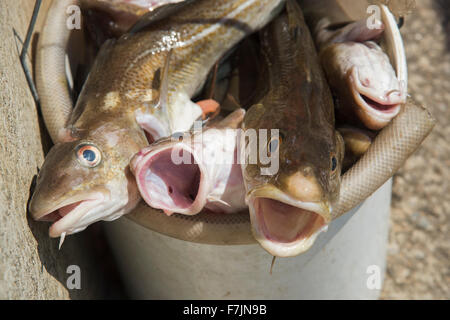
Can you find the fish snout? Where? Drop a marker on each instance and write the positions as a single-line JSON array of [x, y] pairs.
[[304, 186], [35, 207], [395, 96]]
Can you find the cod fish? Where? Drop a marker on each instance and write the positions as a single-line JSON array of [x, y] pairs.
[[185, 174], [112, 18], [142, 81], [290, 206], [360, 73]]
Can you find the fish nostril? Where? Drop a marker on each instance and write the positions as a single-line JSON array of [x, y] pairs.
[[398, 92], [307, 171]]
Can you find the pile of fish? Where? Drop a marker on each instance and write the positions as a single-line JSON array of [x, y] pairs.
[[214, 106]]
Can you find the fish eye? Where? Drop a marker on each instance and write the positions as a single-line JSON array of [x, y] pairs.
[[88, 155], [333, 163], [274, 144]]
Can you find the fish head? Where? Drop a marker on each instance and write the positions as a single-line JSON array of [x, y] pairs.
[[84, 181], [290, 206], [364, 76], [179, 173], [170, 177]]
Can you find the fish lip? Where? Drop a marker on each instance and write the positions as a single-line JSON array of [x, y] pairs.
[[139, 171], [321, 208], [87, 203], [358, 90], [284, 249]]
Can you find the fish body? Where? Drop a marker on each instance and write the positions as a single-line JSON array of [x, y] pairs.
[[197, 171], [290, 206], [140, 81], [361, 76]]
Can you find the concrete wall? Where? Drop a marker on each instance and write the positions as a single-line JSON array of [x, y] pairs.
[[31, 267]]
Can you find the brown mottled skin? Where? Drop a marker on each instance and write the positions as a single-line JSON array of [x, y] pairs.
[[298, 102], [290, 207], [124, 71]]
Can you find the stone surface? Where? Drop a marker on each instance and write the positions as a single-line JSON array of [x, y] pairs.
[[31, 267], [418, 264]]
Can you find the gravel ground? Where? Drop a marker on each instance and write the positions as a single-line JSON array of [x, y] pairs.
[[418, 265]]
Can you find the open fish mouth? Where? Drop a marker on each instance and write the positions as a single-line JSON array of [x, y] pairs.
[[68, 215], [168, 184], [285, 226], [381, 107]]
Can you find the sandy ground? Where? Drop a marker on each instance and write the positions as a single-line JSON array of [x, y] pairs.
[[418, 265]]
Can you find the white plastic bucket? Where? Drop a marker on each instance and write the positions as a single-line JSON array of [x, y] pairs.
[[346, 262]]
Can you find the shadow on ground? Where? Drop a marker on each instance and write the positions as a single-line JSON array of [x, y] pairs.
[[89, 249]]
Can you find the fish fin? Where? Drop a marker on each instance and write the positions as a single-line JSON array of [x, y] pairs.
[[103, 54], [158, 14], [164, 82], [69, 134], [184, 113], [151, 116]]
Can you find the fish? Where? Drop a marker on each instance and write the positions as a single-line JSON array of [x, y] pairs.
[[357, 141], [291, 203], [138, 91], [361, 76], [102, 20], [193, 171], [112, 18]]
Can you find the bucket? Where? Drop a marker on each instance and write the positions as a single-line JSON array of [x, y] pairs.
[[351, 266], [215, 257]]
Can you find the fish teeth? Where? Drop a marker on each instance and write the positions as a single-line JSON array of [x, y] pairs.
[[61, 240], [214, 199]]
